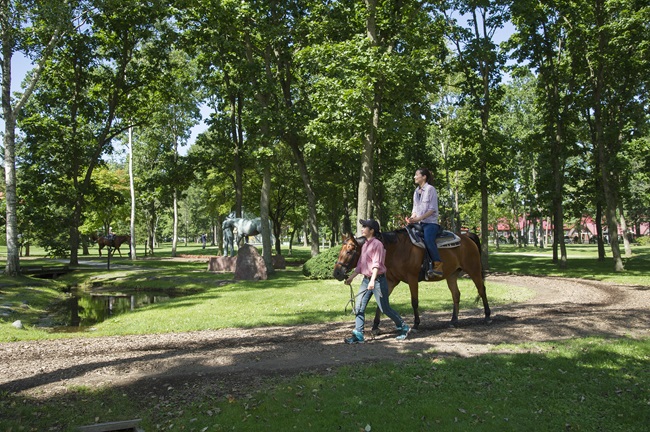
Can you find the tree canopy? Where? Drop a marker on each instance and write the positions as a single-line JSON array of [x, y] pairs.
[[320, 114]]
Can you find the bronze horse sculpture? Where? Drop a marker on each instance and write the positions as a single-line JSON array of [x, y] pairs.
[[404, 262], [245, 228], [114, 242]]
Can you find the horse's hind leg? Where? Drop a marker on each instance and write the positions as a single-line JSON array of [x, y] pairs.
[[477, 277], [452, 283]]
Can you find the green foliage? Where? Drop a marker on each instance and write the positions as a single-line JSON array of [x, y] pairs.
[[322, 265], [643, 240]]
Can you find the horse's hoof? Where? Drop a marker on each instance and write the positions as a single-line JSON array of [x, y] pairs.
[[375, 331], [488, 320]]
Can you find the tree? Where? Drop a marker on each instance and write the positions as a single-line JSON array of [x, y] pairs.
[[541, 39], [480, 61], [608, 41], [33, 28], [97, 67], [372, 67]]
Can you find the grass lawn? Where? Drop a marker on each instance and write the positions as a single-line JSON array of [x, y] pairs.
[[581, 262]]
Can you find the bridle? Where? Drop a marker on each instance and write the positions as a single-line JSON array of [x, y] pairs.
[[354, 254]]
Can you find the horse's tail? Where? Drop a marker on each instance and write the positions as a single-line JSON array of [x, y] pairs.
[[476, 239]]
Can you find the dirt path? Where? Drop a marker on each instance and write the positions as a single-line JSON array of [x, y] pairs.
[[224, 361]]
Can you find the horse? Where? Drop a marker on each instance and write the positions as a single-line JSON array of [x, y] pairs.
[[404, 263], [245, 227], [114, 242]]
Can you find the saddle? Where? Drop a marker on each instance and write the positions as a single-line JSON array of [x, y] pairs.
[[445, 240]]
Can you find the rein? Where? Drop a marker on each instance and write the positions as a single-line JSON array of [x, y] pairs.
[[352, 301]]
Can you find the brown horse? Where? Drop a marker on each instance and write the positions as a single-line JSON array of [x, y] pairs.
[[115, 243], [404, 263]]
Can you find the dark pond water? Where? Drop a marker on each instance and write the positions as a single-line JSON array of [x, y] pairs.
[[85, 309]]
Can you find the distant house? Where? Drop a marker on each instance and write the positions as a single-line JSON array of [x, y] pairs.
[[582, 232]]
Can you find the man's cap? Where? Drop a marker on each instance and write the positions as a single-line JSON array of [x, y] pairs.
[[370, 223]]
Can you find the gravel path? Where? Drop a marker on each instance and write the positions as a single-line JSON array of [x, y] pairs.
[[224, 360]]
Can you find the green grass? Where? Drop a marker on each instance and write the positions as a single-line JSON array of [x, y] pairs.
[[582, 262], [579, 385], [214, 301]]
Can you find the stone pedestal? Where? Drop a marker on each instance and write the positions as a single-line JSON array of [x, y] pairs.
[[222, 264], [250, 264]]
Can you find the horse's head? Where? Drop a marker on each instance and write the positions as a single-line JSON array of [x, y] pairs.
[[348, 257]]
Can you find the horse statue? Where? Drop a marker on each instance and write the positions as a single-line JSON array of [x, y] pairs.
[[404, 263], [228, 238], [114, 242], [245, 227]]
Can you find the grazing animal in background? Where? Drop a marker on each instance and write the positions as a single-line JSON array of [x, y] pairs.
[[404, 264]]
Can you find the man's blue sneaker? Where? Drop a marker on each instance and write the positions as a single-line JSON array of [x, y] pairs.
[[357, 337], [403, 332]]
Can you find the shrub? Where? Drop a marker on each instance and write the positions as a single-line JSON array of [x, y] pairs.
[[643, 240], [322, 265]]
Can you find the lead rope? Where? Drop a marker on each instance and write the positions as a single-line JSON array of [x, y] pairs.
[[352, 301]]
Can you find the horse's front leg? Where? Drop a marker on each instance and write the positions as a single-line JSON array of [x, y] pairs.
[[375, 322], [452, 283]]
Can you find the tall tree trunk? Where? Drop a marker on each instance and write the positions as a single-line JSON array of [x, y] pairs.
[[132, 188], [626, 240], [237, 137], [74, 230], [311, 224], [175, 223], [604, 155], [366, 175], [175, 204], [265, 198], [12, 267], [152, 225]]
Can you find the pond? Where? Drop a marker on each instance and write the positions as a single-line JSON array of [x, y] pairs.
[[84, 309]]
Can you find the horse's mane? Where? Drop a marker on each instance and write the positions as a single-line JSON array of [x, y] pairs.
[[392, 236]]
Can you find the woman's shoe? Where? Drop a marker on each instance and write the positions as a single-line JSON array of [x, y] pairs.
[[357, 337]]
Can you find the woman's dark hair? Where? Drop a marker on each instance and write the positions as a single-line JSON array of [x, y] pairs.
[[425, 172]]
